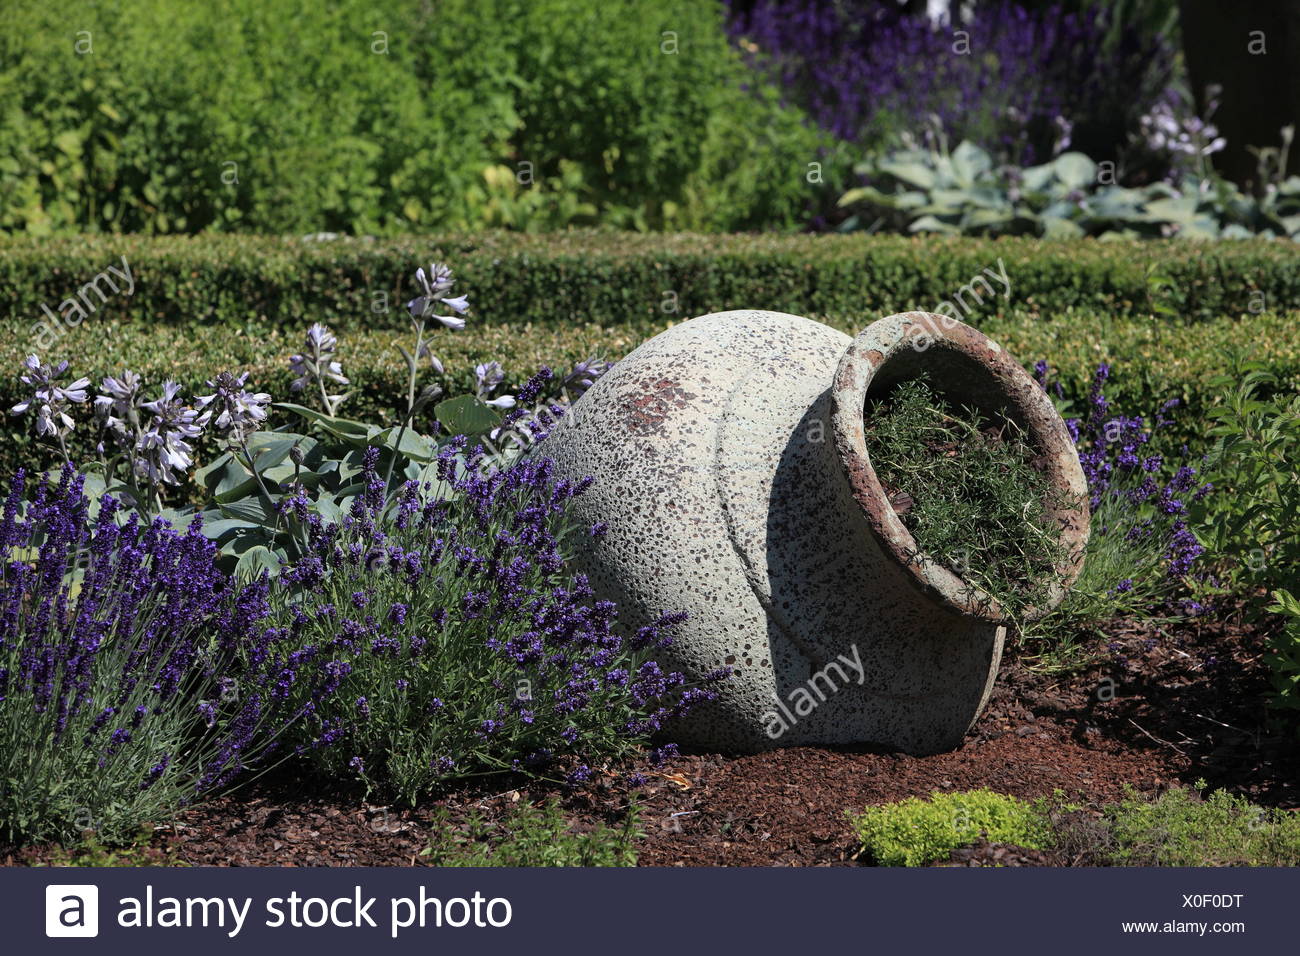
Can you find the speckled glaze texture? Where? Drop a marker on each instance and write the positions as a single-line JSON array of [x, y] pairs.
[[731, 469]]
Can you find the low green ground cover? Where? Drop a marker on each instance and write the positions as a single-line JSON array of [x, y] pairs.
[[1179, 828], [532, 836]]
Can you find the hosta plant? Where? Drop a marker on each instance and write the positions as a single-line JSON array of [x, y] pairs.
[[963, 192], [148, 434]]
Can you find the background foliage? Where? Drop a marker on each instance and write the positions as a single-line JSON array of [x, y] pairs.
[[382, 117]]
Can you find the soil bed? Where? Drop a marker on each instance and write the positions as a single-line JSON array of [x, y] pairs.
[[1163, 708]]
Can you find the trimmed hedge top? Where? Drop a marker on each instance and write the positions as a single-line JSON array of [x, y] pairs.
[[629, 278]]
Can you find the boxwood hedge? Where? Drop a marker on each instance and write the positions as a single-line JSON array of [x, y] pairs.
[[1152, 360], [584, 276]]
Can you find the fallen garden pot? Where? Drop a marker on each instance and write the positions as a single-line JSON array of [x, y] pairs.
[[732, 471]]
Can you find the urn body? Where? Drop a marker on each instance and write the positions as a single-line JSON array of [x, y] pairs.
[[729, 468]]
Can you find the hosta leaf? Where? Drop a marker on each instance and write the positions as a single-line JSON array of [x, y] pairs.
[[932, 224], [1057, 228], [329, 512], [219, 529], [467, 415], [332, 424], [914, 174], [1075, 170], [867, 194], [414, 445], [1181, 210], [271, 448], [986, 218], [1036, 178], [969, 162], [246, 509], [255, 560]]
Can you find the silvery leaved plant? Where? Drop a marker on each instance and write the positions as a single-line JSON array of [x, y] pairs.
[[148, 442]]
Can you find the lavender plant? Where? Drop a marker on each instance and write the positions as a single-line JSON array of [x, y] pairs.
[[453, 640], [120, 699], [1141, 552], [1020, 83]]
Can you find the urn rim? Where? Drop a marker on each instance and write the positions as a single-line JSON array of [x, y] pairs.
[[978, 370]]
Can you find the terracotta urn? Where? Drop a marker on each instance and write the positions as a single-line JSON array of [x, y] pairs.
[[731, 468]]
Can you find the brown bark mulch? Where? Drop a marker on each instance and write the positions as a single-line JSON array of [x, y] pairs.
[[1161, 708]]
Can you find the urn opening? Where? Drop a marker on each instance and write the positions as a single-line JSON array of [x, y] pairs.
[[967, 369]]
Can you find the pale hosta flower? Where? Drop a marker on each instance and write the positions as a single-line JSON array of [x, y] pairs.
[[233, 412], [49, 401], [434, 362], [1187, 139], [117, 408], [316, 365], [490, 375], [434, 286], [164, 450], [584, 374]]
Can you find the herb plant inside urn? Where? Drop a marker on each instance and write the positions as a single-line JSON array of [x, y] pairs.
[[972, 491]]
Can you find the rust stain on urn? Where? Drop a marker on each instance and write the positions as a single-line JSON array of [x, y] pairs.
[[646, 413]]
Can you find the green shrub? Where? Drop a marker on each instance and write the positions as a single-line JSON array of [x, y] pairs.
[[1251, 523], [628, 278], [761, 167], [914, 832], [531, 836], [646, 99], [1181, 829], [247, 116], [382, 117]]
